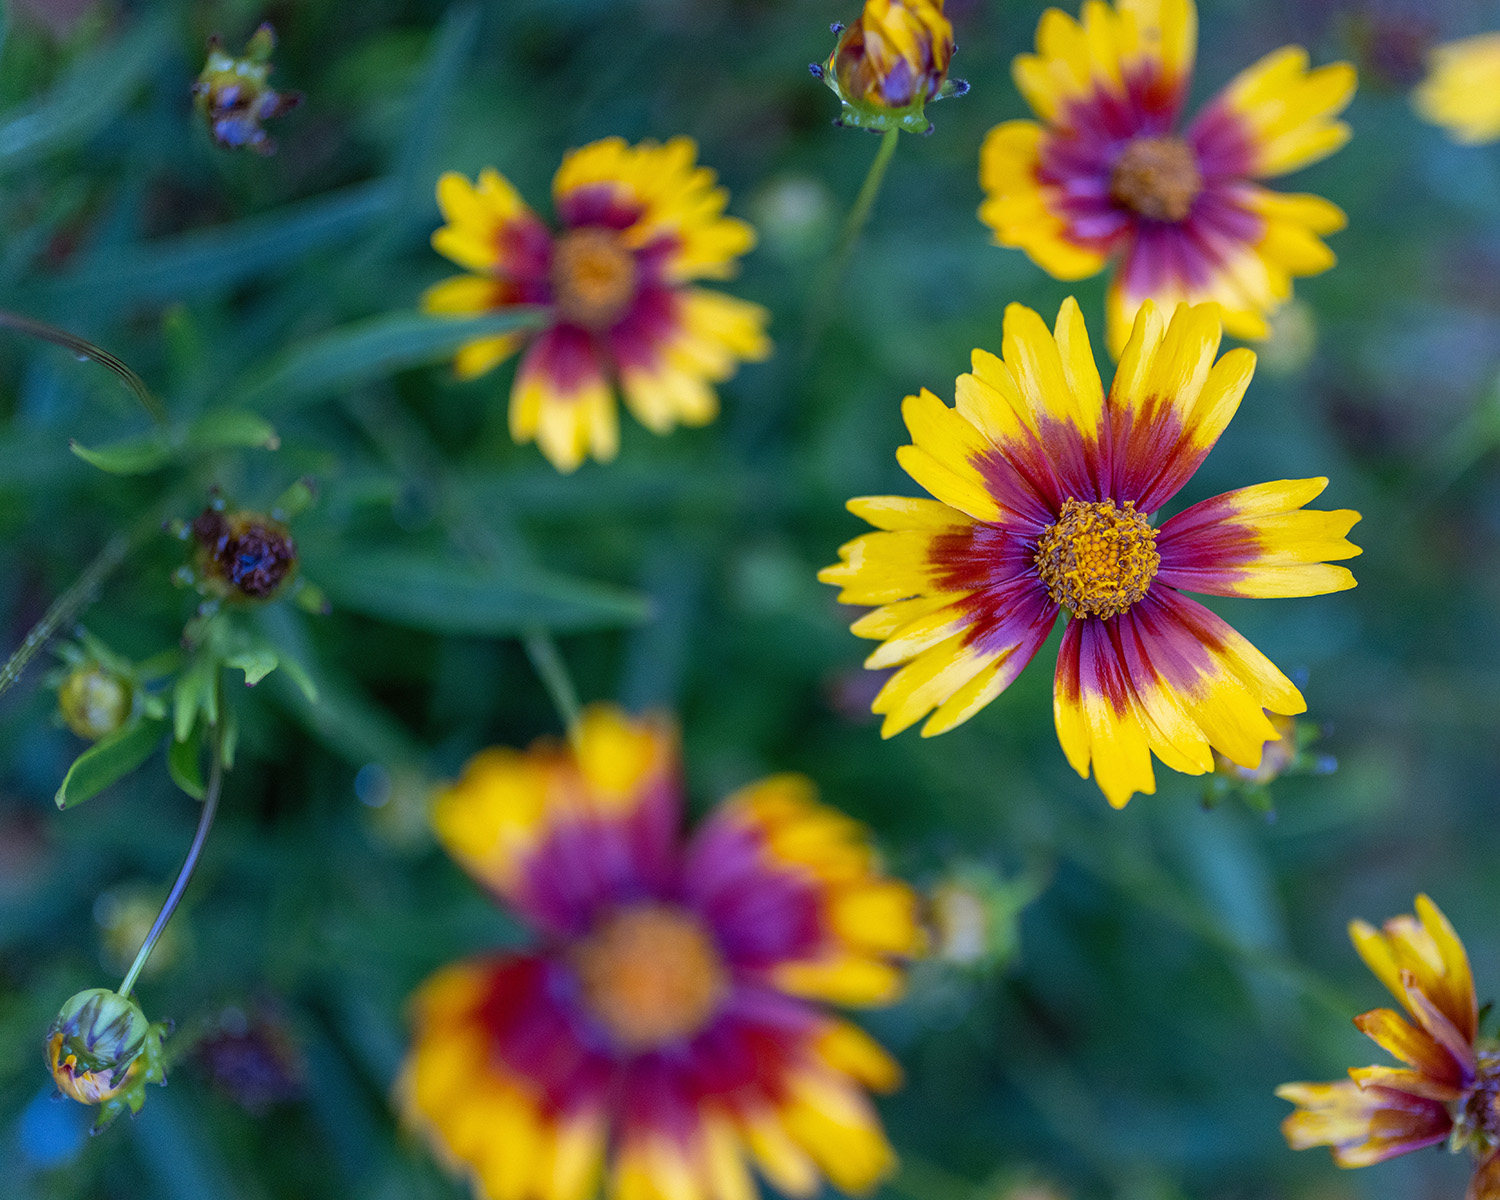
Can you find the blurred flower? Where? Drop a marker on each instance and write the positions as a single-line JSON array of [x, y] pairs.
[[102, 1051], [639, 224], [973, 915], [890, 63], [1447, 1090], [125, 915], [1105, 177], [669, 1022], [1043, 487], [234, 97], [252, 1060], [1462, 89], [94, 701], [243, 553]]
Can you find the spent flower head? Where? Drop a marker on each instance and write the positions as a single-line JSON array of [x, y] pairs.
[[234, 96]]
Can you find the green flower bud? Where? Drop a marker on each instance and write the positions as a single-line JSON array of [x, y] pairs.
[[94, 700], [102, 1051]]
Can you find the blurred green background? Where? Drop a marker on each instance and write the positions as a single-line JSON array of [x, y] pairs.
[[1178, 962]]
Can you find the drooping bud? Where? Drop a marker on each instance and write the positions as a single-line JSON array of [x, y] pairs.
[[102, 1051], [94, 701], [243, 553], [234, 97], [890, 63]]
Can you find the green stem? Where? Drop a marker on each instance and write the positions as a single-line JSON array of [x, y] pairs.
[[205, 822], [85, 349], [553, 672], [854, 225], [66, 607]]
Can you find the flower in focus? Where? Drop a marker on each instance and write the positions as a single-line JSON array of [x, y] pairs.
[[234, 96], [1045, 488], [1106, 176], [668, 1021], [890, 63], [1448, 1088], [638, 225], [103, 1052], [1462, 89]]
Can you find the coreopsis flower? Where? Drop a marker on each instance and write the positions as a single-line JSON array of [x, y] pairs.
[[668, 1022], [1462, 89], [103, 1052], [1107, 176], [638, 224], [1448, 1087], [890, 63], [1045, 493]]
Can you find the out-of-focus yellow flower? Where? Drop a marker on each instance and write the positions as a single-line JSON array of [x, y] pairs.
[[890, 63], [94, 701], [103, 1052], [672, 1029], [1462, 89], [1446, 1090], [639, 224]]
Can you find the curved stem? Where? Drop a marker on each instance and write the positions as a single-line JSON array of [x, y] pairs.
[[553, 672], [854, 225], [86, 349], [174, 897]]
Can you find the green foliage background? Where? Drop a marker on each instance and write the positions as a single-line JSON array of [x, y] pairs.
[[1178, 964]]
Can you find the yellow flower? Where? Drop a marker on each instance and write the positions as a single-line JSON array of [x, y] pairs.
[[1044, 485], [1105, 176], [638, 224], [671, 1027], [1462, 89], [890, 63]]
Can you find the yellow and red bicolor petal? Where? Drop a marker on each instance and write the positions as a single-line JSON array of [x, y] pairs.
[[1449, 1061], [522, 822], [1462, 89], [465, 295], [1279, 114], [1170, 401], [1361, 1125], [655, 196], [1138, 52], [675, 344], [1427, 948], [563, 401], [489, 229], [1258, 541], [796, 895], [1402, 1079]]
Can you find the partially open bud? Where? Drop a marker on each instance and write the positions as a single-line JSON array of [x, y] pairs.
[[890, 63], [243, 553], [234, 97], [94, 701], [102, 1051], [973, 915]]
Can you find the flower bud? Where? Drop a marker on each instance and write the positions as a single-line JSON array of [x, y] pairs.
[[890, 63], [102, 1051], [245, 554], [234, 97], [973, 916], [94, 701]]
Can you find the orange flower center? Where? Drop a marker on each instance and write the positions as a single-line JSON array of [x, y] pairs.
[[1158, 177], [651, 974], [593, 277], [1097, 560]]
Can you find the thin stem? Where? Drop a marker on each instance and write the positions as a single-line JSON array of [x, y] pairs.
[[854, 225], [205, 822], [86, 349], [65, 608], [553, 672]]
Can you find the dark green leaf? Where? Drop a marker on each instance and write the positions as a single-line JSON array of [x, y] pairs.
[[184, 763], [446, 594], [109, 760]]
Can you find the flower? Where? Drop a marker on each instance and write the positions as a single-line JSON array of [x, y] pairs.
[[638, 225], [1106, 177], [1449, 1087], [1462, 89], [668, 1020], [890, 63], [103, 1052], [1044, 491], [243, 554]]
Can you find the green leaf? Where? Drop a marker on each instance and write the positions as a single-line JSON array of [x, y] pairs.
[[255, 661], [227, 429], [221, 429], [109, 760], [442, 593], [372, 349], [196, 691], [131, 456], [185, 763]]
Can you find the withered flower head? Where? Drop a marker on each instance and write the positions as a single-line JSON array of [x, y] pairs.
[[243, 553], [234, 97]]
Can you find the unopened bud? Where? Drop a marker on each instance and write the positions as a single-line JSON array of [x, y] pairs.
[[94, 701], [234, 97], [102, 1051], [890, 63]]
